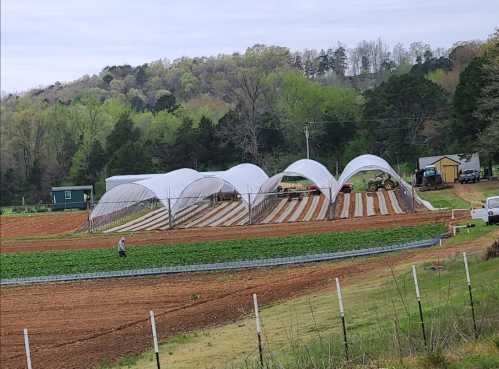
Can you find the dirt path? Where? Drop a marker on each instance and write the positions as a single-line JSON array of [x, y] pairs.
[[473, 193], [77, 325], [224, 233]]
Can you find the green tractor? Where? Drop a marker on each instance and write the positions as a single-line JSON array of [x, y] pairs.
[[383, 180]]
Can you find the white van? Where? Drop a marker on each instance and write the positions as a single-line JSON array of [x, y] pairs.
[[490, 211]]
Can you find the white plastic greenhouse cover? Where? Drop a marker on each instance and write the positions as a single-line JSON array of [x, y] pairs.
[[114, 181], [306, 168], [183, 187], [161, 186], [363, 163], [245, 178]]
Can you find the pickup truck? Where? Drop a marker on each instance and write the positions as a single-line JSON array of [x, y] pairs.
[[490, 211], [469, 175]]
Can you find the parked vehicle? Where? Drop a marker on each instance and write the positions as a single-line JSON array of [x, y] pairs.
[[489, 212], [429, 178], [468, 176]]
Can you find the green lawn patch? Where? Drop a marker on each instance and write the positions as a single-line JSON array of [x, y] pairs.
[[29, 264], [445, 199]]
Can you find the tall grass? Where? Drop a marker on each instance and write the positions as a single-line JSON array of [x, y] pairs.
[[386, 331]]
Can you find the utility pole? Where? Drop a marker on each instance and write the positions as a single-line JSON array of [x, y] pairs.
[[307, 135]]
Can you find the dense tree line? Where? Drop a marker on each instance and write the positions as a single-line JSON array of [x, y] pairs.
[[211, 113]]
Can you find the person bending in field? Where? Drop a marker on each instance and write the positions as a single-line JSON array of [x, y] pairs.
[[121, 247]]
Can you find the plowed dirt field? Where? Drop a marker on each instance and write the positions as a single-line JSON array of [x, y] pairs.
[[213, 233], [41, 224], [78, 325]]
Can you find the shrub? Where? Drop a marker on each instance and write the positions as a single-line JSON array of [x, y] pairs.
[[492, 251], [435, 360]]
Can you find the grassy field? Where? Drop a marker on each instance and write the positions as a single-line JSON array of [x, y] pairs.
[[462, 196], [382, 322], [27, 264], [446, 198]]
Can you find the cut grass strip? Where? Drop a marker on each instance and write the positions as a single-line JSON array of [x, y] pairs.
[[30, 264], [445, 198]]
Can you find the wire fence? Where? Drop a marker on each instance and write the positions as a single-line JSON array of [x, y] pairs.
[[382, 323], [242, 264]]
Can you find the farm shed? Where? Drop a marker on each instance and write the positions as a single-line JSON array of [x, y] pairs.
[[466, 161], [72, 197], [448, 168]]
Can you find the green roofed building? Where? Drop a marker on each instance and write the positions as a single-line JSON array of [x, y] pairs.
[[72, 197]]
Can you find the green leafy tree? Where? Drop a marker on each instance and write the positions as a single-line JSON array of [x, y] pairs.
[[487, 109], [88, 162], [397, 112], [123, 132], [475, 98], [166, 101]]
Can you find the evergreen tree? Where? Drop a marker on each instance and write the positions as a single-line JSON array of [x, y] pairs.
[[340, 61], [310, 70], [323, 63], [331, 60]]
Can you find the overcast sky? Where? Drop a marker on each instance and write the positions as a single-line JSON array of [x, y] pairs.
[[61, 40]]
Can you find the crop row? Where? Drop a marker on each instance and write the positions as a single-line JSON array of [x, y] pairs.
[[24, 264]]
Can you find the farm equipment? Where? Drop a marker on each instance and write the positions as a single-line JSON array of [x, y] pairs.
[[429, 179], [291, 190], [382, 181]]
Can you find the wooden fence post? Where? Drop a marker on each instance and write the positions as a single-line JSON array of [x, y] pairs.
[[418, 297], [342, 317], [468, 280], [258, 329], [26, 348], [155, 338]]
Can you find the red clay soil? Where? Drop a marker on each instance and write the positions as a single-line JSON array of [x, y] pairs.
[[224, 233], [364, 203], [377, 209], [353, 199], [78, 325], [340, 200], [41, 224], [388, 202]]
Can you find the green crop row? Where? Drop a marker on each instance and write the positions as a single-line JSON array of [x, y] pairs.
[[28, 264]]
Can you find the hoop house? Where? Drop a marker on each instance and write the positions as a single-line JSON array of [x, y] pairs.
[[180, 188], [306, 168], [364, 163]]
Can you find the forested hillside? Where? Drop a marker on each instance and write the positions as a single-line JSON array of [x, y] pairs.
[[210, 113]]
